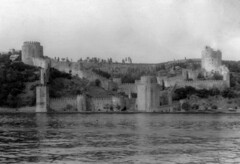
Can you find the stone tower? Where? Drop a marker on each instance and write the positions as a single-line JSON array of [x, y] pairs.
[[30, 50], [81, 103], [148, 94], [211, 60]]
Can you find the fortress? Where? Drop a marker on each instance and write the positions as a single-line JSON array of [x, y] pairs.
[[153, 94], [31, 50], [212, 73], [211, 60]]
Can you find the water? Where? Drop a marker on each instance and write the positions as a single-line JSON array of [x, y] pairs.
[[119, 138]]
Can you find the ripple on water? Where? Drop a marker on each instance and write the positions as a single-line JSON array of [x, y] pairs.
[[120, 138]]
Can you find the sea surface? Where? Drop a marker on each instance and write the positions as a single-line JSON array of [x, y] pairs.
[[120, 138]]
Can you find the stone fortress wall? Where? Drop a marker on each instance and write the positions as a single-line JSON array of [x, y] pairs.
[[75, 68], [100, 104], [31, 50], [204, 84], [127, 88], [61, 104], [151, 92], [151, 96], [76, 103], [32, 54], [211, 60], [211, 63]]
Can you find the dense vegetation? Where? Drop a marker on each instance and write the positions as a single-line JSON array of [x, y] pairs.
[[101, 73], [13, 76], [63, 84], [233, 66], [183, 93]]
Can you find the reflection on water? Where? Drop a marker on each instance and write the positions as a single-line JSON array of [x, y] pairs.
[[120, 138]]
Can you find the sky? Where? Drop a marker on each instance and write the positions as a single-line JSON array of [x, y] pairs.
[[148, 31]]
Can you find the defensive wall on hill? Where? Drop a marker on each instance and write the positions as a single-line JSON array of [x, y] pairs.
[[119, 68], [76, 69], [198, 84], [183, 61], [204, 84], [151, 93]]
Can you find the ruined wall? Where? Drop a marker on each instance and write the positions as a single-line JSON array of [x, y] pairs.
[[211, 59], [190, 74], [169, 81], [31, 50]]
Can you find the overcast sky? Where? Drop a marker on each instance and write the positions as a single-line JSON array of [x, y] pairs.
[[146, 30]]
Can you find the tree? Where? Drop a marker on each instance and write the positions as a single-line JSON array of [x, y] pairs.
[[97, 82], [228, 93], [200, 76], [186, 106], [217, 76]]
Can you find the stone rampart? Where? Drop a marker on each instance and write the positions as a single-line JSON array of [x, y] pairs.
[[100, 104], [42, 98], [31, 50], [128, 88], [204, 84], [41, 62], [112, 103], [75, 69], [211, 60], [61, 104]]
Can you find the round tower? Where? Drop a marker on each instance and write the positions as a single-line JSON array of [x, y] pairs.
[[211, 60], [31, 50], [148, 94]]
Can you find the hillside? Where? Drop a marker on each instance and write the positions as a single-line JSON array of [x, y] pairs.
[[18, 82], [131, 72]]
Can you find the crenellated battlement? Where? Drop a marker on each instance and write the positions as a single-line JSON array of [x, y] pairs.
[[31, 50], [31, 42]]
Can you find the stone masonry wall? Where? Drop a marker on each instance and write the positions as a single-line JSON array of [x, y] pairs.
[[204, 84], [61, 104]]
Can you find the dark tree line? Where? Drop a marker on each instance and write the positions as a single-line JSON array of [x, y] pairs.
[[183, 93], [13, 77]]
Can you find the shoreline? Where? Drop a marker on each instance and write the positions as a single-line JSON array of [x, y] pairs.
[[32, 110], [12, 111]]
